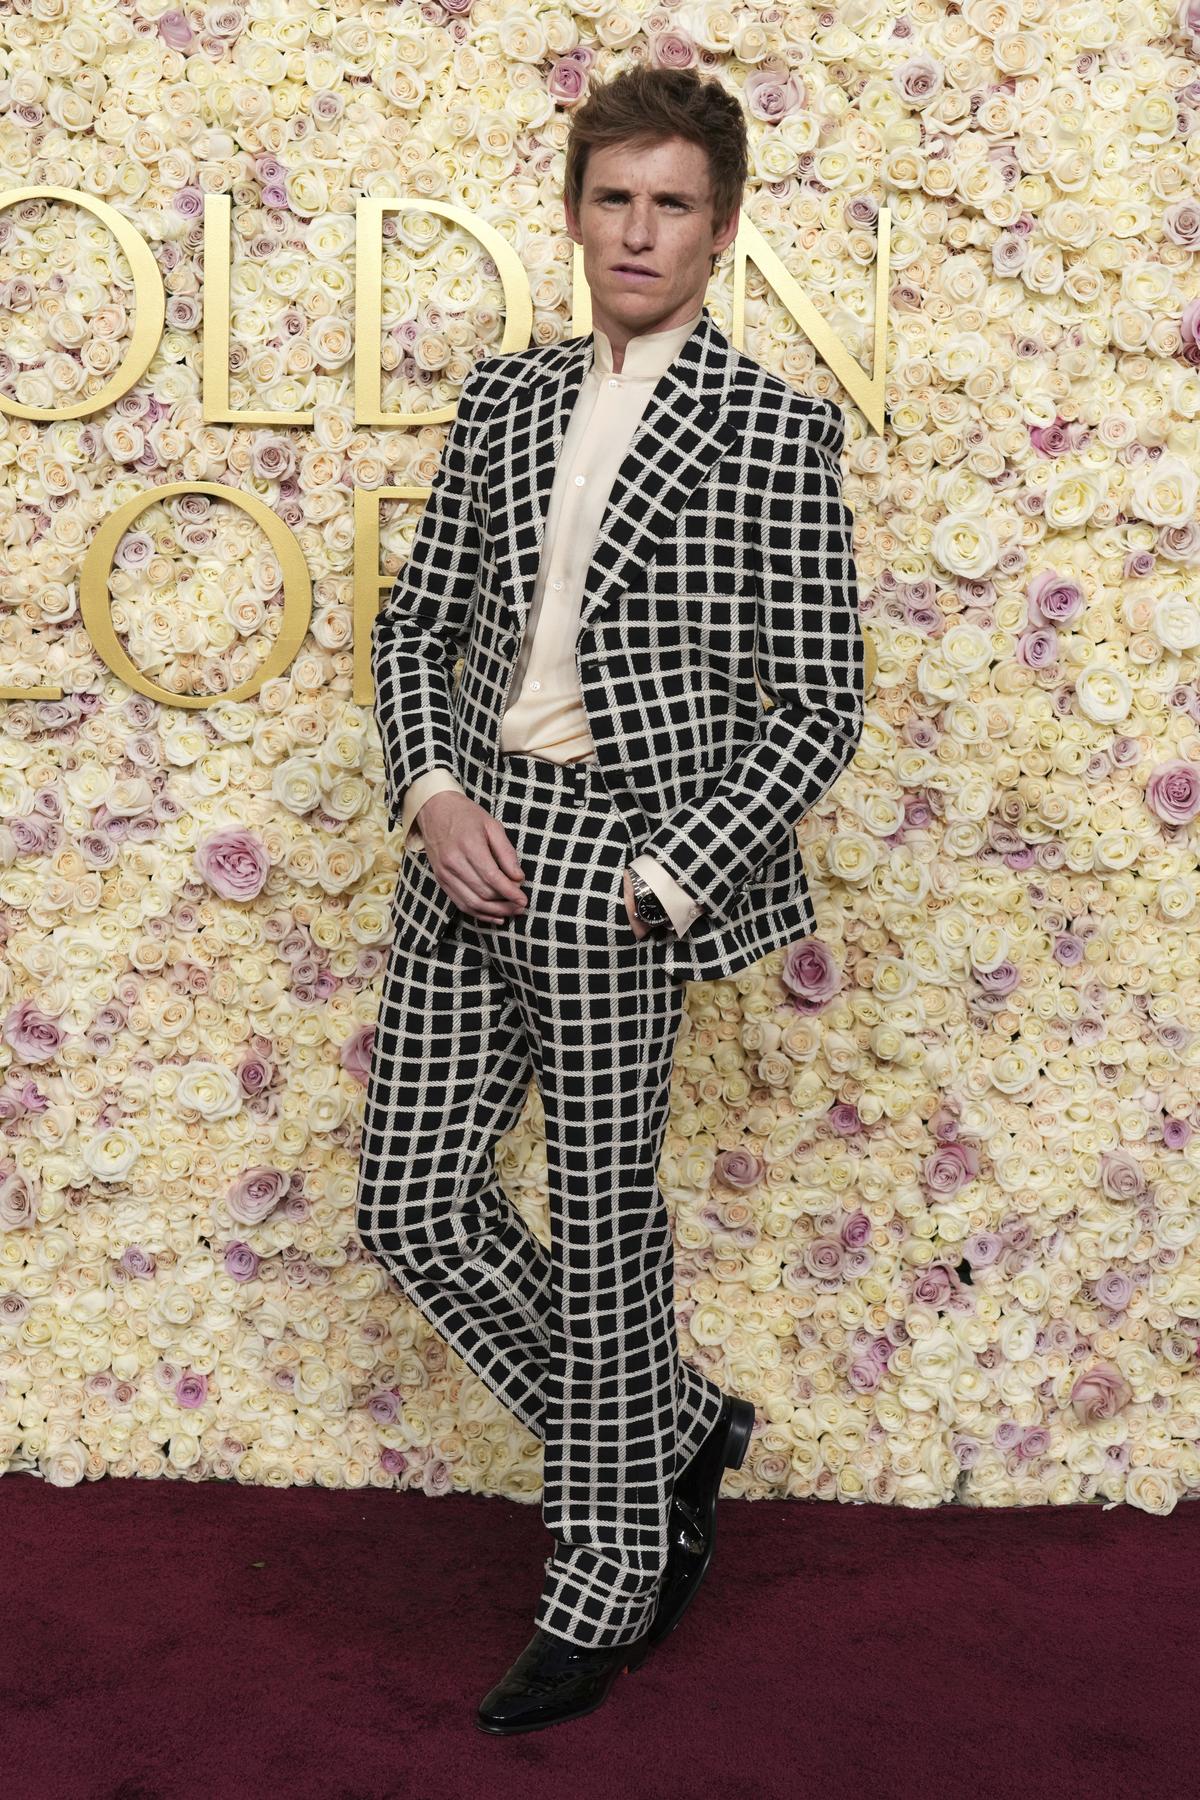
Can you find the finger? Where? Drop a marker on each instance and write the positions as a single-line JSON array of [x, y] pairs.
[[469, 888], [503, 850]]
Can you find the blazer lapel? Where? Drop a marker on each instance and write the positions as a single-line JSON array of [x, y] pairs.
[[682, 432]]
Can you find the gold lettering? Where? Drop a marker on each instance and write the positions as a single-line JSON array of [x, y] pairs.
[[149, 299], [214, 351], [94, 601], [368, 582], [368, 302], [867, 392]]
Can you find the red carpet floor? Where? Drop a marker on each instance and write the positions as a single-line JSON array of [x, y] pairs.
[[174, 1641]]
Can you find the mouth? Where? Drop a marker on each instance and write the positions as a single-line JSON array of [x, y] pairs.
[[633, 272]]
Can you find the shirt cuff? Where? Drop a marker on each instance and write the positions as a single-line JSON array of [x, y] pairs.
[[682, 910], [434, 781]]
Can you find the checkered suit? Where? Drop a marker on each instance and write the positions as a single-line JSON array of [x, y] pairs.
[[724, 561]]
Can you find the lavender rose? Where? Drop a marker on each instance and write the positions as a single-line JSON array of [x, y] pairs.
[[233, 863], [255, 1193], [1173, 792], [811, 974], [240, 1261], [740, 1168], [949, 1167], [33, 1034], [356, 1053], [1100, 1393], [175, 31]]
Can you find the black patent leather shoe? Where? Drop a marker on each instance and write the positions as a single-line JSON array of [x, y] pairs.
[[693, 1518], [553, 1680]]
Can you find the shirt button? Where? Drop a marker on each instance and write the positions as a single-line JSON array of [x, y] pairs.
[[556, 584], [579, 480], [612, 381], [534, 686]]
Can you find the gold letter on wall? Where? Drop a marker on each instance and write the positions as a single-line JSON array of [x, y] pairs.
[[150, 306], [93, 591]]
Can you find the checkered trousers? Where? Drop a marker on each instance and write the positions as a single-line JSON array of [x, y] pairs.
[[578, 1338]]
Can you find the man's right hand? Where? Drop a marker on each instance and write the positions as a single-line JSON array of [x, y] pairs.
[[472, 856]]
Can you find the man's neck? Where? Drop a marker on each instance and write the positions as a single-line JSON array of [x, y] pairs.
[[620, 336], [649, 343]]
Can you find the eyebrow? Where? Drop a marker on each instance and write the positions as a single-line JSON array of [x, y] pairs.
[[602, 193]]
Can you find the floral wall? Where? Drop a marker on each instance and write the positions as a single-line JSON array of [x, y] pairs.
[[934, 1172]]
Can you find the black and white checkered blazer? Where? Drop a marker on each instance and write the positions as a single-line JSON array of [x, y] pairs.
[[722, 578]]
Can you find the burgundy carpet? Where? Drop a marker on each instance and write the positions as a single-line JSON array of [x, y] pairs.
[[167, 1640]]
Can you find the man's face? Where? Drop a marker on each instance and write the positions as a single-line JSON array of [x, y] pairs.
[[646, 207]]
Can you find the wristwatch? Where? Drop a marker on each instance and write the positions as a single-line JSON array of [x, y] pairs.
[[646, 903]]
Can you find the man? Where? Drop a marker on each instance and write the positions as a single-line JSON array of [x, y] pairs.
[[628, 534]]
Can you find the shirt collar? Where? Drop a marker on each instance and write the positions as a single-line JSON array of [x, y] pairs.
[[647, 354]]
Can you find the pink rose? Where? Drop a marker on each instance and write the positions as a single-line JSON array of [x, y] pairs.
[[856, 1230], [771, 93], [983, 1250], [255, 1193], [949, 1167], [175, 31], [1114, 1289], [824, 1257], [234, 863], [191, 1390], [918, 81], [998, 981], [934, 1285], [33, 1034], [436, 1477], [1173, 792], [811, 973], [740, 1168], [254, 1074], [1121, 1176], [1181, 223], [1053, 599], [1100, 1393], [672, 50], [1189, 319], [240, 1261], [18, 1210], [566, 80], [356, 1053]]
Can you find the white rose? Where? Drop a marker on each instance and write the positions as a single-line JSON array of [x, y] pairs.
[[1176, 622], [209, 1089], [1104, 694], [1072, 496], [112, 1155], [1152, 1490], [965, 546], [1164, 492]]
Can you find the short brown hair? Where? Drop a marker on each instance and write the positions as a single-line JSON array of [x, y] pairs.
[[648, 104]]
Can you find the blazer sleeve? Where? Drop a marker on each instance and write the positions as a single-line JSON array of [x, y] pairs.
[[809, 660], [418, 636]]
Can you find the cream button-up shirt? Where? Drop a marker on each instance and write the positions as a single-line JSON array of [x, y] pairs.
[[545, 715]]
